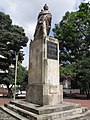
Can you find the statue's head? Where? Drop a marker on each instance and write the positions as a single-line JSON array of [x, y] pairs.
[[45, 7]]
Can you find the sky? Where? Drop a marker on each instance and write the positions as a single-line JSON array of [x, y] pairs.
[[24, 13]]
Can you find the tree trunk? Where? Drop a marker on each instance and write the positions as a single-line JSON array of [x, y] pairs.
[[87, 94]]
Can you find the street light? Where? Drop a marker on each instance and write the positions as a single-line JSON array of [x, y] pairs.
[[16, 56]]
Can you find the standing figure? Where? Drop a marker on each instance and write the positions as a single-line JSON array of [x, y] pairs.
[[43, 23]]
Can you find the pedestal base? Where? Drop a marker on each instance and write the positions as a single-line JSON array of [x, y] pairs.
[[44, 94], [28, 111]]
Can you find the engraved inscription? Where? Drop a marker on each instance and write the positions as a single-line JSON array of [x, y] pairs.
[[52, 51]]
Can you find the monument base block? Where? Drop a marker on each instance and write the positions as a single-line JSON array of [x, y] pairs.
[[44, 94], [23, 110], [43, 79]]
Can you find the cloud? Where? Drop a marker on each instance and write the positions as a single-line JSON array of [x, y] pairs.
[[78, 2], [86, 1], [24, 13]]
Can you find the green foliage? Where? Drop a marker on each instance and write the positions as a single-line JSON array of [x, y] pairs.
[[83, 73], [12, 40], [22, 74], [73, 32], [19, 39], [67, 71]]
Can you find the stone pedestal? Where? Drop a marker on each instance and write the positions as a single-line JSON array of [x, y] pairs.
[[43, 81]]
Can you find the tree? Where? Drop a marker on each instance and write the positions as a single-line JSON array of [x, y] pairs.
[[82, 71], [22, 77], [12, 40], [73, 32], [68, 73]]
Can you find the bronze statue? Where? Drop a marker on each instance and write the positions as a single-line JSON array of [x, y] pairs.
[[43, 23]]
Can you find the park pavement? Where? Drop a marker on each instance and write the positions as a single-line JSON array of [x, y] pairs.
[[84, 103], [4, 100]]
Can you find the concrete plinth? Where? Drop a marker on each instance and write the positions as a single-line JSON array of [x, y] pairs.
[[43, 82], [44, 94], [28, 111]]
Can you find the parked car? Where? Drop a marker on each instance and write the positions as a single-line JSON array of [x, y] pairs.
[[3, 92], [21, 94]]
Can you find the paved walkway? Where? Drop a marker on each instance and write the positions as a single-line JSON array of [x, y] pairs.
[[84, 103], [4, 100]]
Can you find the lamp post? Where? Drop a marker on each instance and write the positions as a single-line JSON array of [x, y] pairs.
[[16, 56]]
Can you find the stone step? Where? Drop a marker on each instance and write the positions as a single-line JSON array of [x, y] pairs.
[[26, 106], [12, 113], [66, 115], [22, 112], [39, 110], [83, 116], [61, 115]]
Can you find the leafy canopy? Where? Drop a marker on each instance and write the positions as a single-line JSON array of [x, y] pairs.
[[12, 41], [73, 32]]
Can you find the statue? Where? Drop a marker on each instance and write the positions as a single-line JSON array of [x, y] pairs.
[[43, 23]]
